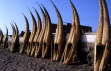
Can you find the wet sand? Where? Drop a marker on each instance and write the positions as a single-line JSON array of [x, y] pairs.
[[19, 62]]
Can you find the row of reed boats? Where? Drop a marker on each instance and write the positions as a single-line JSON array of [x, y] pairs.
[[40, 44]]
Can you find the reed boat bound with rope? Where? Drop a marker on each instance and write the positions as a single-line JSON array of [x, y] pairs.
[[57, 47]]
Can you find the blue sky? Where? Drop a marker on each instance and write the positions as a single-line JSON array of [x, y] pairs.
[[13, 10]]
